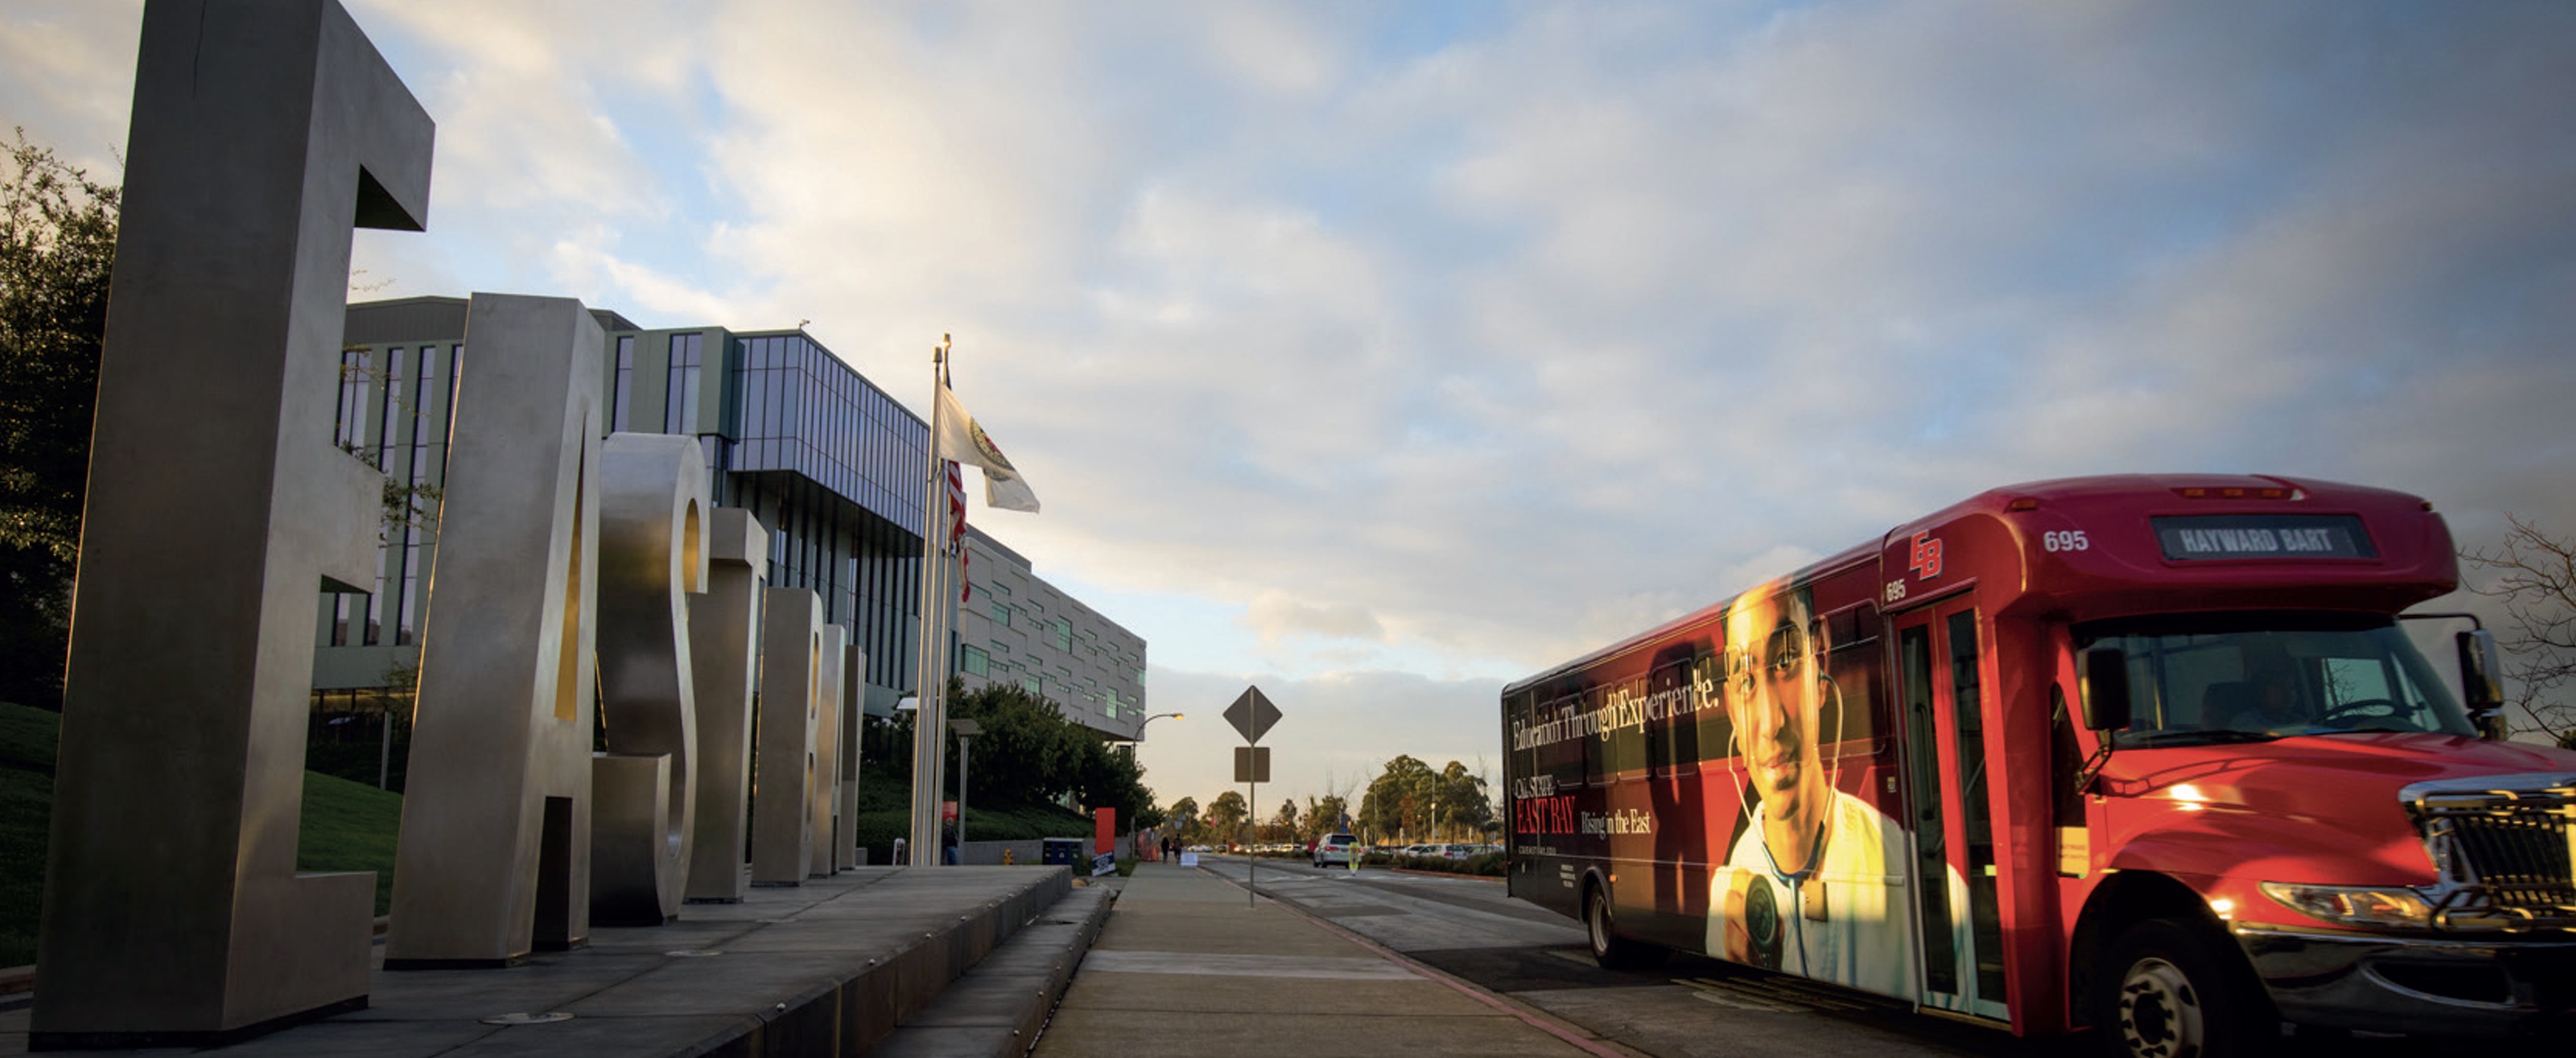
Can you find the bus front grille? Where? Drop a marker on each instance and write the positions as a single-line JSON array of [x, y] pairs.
[[2506, 850]]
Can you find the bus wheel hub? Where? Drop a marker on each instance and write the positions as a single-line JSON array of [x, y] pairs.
[[2159, 1014]]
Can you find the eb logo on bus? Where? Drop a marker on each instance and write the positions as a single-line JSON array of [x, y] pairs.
[[1924, 560]]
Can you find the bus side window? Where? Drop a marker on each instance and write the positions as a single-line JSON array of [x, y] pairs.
[[1855, 697], [1716, 736], [1567, 760], [1672, 740]]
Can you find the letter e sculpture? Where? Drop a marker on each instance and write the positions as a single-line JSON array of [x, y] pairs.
[[217, 511]]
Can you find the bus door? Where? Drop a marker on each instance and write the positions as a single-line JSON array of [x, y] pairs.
[[1959, 930]]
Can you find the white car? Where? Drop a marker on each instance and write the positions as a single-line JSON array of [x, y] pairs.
[[1336, 849]]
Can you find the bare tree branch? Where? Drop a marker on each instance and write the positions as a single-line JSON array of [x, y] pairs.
[[2535, 581]]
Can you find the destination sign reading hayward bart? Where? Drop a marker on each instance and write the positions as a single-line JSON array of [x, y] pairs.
[[2201, 537]]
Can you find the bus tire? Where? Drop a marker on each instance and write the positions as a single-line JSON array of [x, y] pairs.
[[2166, 989], [1610, 950]]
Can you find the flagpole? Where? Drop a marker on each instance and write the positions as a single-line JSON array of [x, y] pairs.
[[929, 718]]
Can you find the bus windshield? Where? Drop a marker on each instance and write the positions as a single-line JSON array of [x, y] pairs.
[[2208, 678]]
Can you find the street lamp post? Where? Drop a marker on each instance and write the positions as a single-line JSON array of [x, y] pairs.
[[1140, 730], [966, 731]]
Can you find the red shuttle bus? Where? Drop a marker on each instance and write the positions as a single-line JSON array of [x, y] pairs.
[[2152, 755]]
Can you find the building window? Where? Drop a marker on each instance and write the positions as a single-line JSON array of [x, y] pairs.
[[974, 662], [622, 395], [1001, 614], [349, 427], [340, 618], [680, 405], [1064, 636], [1033, 685]]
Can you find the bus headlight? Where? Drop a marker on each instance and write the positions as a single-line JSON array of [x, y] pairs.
[[2353, 906]]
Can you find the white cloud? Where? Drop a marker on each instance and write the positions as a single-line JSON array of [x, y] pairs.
[[1470, 354], [1274, 615], [67, 77]]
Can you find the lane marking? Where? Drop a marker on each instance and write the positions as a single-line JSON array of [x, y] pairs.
[[1571, 1034], [1732, 994]]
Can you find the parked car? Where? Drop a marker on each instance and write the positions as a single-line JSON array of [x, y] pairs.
[[1458, 852], [1336, 849]]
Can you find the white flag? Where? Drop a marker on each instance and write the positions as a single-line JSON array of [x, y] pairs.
[[964, 441]]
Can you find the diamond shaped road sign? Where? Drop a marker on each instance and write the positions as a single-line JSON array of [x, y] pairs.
[[1252, 714]]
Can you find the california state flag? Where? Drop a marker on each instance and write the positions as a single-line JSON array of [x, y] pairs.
[[964, 441]]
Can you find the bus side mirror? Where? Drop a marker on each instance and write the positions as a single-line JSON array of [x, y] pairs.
[[2482, 682], [2106, 688]]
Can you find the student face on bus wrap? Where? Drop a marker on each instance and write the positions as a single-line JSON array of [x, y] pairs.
[[1772, 696]]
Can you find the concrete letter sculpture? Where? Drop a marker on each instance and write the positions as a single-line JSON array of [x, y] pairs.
[[494, 858], [724, 656], [782, 796], [217, 512], [854, 720], [826, 819], [653, 555]]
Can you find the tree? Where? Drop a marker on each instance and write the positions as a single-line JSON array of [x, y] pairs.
[[57, 248], [1184, 815], [1030, 754], [1225, 815], [1464, 807], [1400, 800], [1323, 816], [2535, 579]]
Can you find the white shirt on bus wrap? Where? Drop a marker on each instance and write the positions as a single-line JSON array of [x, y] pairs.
[[1865, 941]]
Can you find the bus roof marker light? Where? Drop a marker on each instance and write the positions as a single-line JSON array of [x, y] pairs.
[[2025, 503]]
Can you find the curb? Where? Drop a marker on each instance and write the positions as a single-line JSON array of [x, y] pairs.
[[998, 1008]]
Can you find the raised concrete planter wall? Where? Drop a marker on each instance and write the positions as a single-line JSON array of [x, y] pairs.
[[989, 853]]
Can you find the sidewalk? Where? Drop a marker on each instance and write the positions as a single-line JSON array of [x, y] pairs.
[[1185, 968]]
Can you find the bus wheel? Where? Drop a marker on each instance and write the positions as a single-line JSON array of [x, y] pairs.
[[2167, 991], [1610, 950]]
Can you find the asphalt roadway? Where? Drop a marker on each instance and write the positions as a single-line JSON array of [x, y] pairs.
[[1151, 986]]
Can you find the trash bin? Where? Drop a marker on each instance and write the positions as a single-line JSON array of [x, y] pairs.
[[1066, 851]]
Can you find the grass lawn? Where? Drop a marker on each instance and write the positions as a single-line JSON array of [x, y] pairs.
[[347, 827], [885, 813]]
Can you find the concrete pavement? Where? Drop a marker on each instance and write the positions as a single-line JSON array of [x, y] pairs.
[[1184, 967], [826, 968]]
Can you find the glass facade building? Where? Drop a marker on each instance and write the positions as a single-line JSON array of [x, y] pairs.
[[824, 458]]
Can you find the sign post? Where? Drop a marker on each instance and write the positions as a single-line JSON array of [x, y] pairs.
[[1252, 714]]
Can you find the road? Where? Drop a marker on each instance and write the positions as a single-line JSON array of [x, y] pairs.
[[1687, 1008]]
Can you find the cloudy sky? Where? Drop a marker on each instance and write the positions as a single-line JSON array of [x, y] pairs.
[[1381, 353]]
